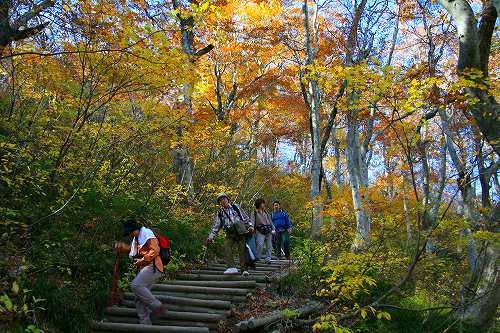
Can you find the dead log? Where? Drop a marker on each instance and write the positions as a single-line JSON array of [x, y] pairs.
[[255, 323]]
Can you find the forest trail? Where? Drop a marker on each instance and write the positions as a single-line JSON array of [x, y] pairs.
[[198, 301]]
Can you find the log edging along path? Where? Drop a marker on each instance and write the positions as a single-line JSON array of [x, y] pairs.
[[197, 301]]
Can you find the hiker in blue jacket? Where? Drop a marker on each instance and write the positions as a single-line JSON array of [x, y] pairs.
[[283, 228]]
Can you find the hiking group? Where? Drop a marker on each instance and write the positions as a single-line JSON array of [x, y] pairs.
[[249, 234], [151, 252]]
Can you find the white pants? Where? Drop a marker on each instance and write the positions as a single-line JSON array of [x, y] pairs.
[[145, 302], [260, 244]]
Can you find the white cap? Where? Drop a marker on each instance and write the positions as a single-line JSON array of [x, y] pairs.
[[220, 196]]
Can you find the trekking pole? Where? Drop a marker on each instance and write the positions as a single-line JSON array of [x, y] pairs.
[[114, 280]]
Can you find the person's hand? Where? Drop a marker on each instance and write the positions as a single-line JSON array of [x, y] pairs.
[[290, 230], [210, 240], [139, 262], [251, 230]]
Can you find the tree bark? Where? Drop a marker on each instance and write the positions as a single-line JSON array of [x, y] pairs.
[[474, 50], [355, 169], [313, 100], [336, 152], [181, 160], [409, 234]]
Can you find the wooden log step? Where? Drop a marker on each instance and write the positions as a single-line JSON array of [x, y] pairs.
[[260, 264], [219, 277], [205, 290], [250, 284], [139, 328], [171, 315], [165, 322], [214, 271], [184, 308], [223, 268], [210, 303], [275, 266], [231, 298]]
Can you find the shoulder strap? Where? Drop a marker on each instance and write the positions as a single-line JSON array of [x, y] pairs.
[[235, 207], [219, 213]]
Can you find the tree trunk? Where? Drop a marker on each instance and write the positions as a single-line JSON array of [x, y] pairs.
[[474, 51], [354, 168], [313, 100], [409, 234], [481, 305], [336, 147], [482, 296], [484, 175], [181, 161]]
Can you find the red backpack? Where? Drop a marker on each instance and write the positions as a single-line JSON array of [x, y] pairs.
[[165, 252]]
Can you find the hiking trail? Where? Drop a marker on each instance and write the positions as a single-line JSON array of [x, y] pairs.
[[197, 301]]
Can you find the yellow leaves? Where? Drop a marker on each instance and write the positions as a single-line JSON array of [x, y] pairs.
[[348, 277], [329, 323], [383, 315], [262, 13]]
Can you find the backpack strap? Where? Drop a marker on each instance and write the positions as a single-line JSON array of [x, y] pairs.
[[235, 207], [221, 218]]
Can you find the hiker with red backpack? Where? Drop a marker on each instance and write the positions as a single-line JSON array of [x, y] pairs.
[[145, 250], [236, 225]]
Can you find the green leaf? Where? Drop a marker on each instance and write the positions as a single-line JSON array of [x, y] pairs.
[[7, 302], [15, 287]]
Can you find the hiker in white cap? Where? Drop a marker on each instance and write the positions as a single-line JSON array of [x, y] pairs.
[[236, 225]]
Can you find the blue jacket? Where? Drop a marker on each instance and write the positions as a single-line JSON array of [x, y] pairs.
[[281, 221]]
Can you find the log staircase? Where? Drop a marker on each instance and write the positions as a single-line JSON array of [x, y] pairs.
[[197, 301]]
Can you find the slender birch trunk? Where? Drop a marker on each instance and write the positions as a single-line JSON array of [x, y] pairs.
[[313, 101]]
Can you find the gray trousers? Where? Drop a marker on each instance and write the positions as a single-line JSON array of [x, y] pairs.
[[145, 302], [260, 244]]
